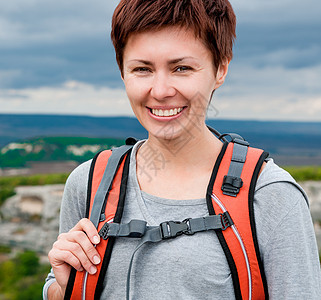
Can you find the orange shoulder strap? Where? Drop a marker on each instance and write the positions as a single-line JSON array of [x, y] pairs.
[[82, 285], [239, 241]]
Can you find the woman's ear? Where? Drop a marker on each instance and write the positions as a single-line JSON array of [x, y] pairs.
[[221, 73]]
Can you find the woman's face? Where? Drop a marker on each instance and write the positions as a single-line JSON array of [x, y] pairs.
[[169, 77]]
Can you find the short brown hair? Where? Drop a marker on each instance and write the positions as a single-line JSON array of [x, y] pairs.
[[213, 21]]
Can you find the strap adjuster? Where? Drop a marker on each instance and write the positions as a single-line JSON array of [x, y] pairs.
[[103, 232], [226, 220], [133, 229], [231, 185]]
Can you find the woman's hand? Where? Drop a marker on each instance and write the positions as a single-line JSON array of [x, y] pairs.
[[75, 249]]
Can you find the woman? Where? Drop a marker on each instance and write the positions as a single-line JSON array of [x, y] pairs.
[[172, 56]]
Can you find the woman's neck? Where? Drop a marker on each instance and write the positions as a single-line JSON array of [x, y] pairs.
[[179, 169], [196, 150]]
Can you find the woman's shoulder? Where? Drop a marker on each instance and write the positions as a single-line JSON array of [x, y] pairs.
[[75, 191], [79, 176], [277, 181], [285, 234], [278, 199], [73, 205]]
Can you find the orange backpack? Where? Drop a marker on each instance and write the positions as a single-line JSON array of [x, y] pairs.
[[230, 205]]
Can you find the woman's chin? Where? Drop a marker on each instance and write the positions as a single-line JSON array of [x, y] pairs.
[[169, 133]]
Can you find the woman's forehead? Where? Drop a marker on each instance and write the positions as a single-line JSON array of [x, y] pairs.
[[173, 42]]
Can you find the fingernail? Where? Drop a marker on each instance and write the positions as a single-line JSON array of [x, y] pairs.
[[92, 270], [96, 260], [96, 239]]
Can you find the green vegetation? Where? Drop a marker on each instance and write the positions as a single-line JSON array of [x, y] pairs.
[[305, 173], [8, 184], [5, 249], [22, 277], [79, 149]]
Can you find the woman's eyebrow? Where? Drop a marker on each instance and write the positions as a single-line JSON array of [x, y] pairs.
[[177, 60], [170, 62], [142, 61]]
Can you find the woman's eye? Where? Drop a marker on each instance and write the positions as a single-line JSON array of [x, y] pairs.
[[183, 69], [141, 70]]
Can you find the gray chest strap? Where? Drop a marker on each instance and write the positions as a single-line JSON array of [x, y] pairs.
[[166, 230]]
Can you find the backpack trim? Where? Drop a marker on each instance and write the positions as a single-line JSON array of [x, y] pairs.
[[252, 219], [210, 207]]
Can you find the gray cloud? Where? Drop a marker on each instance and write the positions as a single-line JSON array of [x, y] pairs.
[[277, 11], [278, 33], [289, 46], [51, 42], [46, 43]]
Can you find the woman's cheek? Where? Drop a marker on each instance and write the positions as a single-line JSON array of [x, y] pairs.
[[190, 86], [137, 89]]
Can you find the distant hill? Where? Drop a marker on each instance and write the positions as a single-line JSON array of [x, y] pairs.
[[17, 127], [289, 142], [54, 149]]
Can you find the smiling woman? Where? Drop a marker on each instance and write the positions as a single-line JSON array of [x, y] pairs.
[[167, 72], [254, 238]]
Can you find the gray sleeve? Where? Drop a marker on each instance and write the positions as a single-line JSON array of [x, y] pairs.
[[287, 242], [73, 207]]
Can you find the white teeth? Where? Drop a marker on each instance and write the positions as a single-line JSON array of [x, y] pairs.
[[166, 113]]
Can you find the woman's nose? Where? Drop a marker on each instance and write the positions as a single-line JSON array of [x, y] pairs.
[[162, 87]]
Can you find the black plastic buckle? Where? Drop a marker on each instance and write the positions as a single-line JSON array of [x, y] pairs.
[[231, 185], [103, 232], [172, 229], [226, 220], [189, 229]]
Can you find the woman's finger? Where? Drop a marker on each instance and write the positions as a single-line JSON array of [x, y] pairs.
[[88, 227], [72, 253], [77, 242]]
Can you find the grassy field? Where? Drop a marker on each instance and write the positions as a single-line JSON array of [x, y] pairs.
[[305, 173], [51, 149], [8, 184]]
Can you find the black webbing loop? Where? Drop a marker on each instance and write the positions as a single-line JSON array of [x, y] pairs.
[[131, 141], [231, 185], [232, 182]]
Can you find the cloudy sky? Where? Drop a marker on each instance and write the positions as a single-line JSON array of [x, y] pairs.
[[56, 57]]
